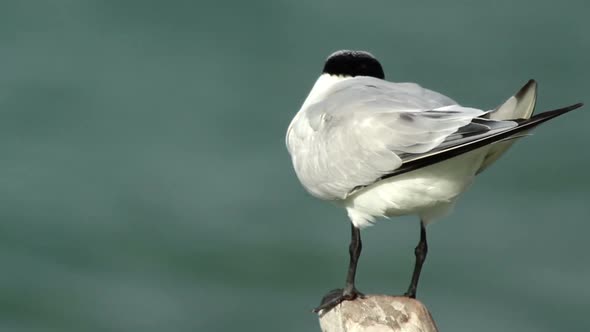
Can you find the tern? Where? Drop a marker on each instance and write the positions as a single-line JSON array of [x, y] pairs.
[[385, 149]]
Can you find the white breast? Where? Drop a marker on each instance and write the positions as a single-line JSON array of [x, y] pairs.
[[429, 192]]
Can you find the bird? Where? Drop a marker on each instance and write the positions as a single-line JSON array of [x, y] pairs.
[[382, 149]]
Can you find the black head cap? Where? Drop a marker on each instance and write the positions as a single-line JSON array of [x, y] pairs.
[[353, 63]]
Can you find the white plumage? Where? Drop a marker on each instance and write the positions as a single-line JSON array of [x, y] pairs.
[[350, 131]]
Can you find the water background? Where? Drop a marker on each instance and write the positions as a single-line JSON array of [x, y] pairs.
[[144, 183]]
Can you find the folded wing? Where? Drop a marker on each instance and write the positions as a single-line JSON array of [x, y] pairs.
[[366, 129]]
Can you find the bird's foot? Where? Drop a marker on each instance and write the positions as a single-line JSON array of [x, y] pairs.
[[335, 297]]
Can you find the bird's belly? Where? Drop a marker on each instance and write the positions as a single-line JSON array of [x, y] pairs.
[[428, 192]]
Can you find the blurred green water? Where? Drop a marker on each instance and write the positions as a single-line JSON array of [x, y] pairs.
[[145, 185]]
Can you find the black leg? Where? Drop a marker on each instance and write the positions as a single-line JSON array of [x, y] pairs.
[[354, 250], [420, 251], [349, 292]]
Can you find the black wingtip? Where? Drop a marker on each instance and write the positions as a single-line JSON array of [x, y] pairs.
[[548, 115], [525, 124], [564, 110], [574, 106]]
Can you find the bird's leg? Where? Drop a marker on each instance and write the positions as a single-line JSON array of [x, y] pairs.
[[349, 292], [354, 250], [420, 251]]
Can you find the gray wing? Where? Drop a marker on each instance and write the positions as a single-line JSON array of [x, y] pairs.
[[365, 128]]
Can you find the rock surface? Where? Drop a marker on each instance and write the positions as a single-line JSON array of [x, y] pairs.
[[378, 313]]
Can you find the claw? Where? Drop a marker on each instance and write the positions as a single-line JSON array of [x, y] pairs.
[[335, 297]]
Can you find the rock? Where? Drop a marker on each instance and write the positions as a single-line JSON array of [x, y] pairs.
[[378, 313]]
